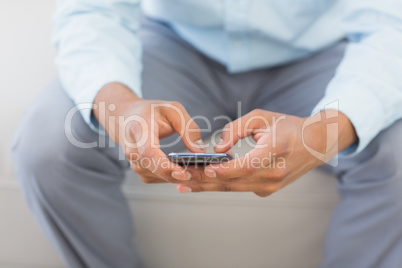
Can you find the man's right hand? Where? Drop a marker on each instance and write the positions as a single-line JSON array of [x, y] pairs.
[[137, 125]]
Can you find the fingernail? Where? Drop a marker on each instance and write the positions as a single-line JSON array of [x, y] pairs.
[[188, 176], [179, 175], [210, 173], [200, 144], [176, 175], [185, 189], [220, 143]]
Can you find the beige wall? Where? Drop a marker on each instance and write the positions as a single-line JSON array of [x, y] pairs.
[[203, 230], [26, 62], [26, 65]]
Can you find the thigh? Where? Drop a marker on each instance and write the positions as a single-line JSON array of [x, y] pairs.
[[296, 88], [73, 189], [369, 214], [173, 70], [53, 130]]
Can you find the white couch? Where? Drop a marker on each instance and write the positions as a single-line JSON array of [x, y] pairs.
[[172, 230]]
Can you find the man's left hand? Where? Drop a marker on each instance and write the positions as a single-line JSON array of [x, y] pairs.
[[286, 148]]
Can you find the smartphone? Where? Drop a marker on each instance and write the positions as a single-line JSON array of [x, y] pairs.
[[186, 159]]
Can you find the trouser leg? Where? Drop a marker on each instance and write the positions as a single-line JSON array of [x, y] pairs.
[[366, 227], [74, 193]]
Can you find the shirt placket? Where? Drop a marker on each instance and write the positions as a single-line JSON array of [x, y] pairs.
[[235, 24]]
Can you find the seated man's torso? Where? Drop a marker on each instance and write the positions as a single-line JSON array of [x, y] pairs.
[[251, 34]]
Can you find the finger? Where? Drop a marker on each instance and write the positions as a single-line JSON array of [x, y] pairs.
[[230, 152], [242, 128], [149, 177], [229, 137], [256, 165], [185, 126], [156, 162], [145, 175], [198, 175], [262, 194], [152, 179], [266, 188], [196, 171], [150, 156], [238, 167], [259, 133]]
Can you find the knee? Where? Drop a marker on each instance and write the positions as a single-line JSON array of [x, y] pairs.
[[36, 156], [40, 146], [46, 160], [381, 157], [378, 166]]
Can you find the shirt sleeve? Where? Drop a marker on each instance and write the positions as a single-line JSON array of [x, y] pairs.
[[367, 86], [97, 43]]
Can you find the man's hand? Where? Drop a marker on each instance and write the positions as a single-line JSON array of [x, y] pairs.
[[286, 148], [137, 125]]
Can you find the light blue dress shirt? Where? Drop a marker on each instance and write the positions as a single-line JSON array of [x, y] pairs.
[[97, 43]]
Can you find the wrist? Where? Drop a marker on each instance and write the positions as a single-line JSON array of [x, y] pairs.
[[334, 132], [113, 97], [112, 101]]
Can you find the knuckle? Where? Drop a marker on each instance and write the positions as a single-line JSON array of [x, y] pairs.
[[202, 177], [166, 176], [131, 154], [144, 176], [282, 146], [249, 170], [197, 188], [278, 174], [230, 180], [224, 175], [195, 129], [136, 127], [205, 178], [128, 155], [145, 154], [273, 188], [136, 168], [227, 127], [263, 195], [168, 179], [225, 187], [149, 180], [177, 104], [258, 112]]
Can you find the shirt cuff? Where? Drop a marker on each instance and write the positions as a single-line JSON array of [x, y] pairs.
[[362, 108], [95, 79]]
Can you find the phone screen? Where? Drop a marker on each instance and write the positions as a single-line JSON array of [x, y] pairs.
[[186, 159]]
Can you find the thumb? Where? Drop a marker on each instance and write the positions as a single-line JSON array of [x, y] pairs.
[[185, 126], [241, 128]]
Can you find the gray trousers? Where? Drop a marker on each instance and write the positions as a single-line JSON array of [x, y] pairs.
[[75, 193]]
